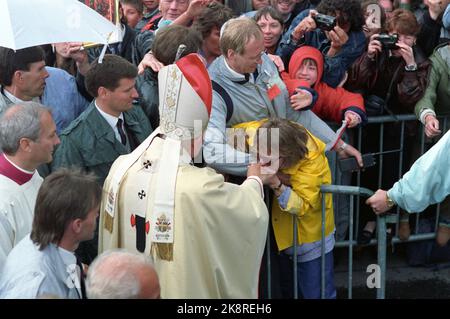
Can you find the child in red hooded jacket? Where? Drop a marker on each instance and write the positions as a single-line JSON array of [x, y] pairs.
[[332, 104]]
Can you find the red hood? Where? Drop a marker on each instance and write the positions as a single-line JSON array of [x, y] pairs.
[[304, 52]]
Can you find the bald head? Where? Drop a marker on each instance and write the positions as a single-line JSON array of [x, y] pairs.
[[122, 275]]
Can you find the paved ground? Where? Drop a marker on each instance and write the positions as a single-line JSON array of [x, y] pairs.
[[403, 281]]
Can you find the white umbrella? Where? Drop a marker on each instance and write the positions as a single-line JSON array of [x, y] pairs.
[[26, 23]]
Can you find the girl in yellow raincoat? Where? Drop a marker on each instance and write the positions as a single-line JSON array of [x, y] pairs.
[[301, 160]]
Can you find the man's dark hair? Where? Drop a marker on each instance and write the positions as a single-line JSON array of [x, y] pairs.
[[168, 40], [350, 11], [64, 196], [214, 15], [271, 12], [20, 60], [108, 73]]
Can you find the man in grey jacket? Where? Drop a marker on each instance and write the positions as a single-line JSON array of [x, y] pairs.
[[44, 264], [247, 87]]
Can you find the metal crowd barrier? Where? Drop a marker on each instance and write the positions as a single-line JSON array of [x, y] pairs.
[[355, 193]]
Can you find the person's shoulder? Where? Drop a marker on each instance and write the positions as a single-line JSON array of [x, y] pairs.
[[79, 125], [136, 112], [56, 74], [267, 63], [204, 178], [441, 53], [216, 67]]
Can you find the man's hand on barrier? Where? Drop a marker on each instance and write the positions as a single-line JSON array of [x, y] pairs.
[[378, 202], [432, 126], [346, 150]]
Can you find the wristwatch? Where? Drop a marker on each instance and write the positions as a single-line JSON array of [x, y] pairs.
[[411, 67], [389, 202]]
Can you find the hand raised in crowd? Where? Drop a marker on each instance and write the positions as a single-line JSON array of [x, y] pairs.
[[432, 126], [301, 99], [374, 46], [277, 61], [306, 25], [75, 51], [406, 52], [352, 119], [196, 7], [149, 61], [378, 202], [338, 38], [348, 151]]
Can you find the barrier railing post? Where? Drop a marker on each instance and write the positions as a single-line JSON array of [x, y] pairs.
[[322, 252], [381, 241], [350, 251], [294, 256], [344, 190]]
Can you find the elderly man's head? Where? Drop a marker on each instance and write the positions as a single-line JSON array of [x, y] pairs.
[[122, 275], [242, 44], [28, 132], [172, 9]]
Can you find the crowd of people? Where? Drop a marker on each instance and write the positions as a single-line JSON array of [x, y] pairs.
[[160, 167]]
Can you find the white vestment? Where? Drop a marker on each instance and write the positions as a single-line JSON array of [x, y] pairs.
[[16, 212], [219, 228]]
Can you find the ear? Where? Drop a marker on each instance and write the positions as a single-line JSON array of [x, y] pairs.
[[102, 92], [17, 76], [76, 225], [231, 54], [25, 144]]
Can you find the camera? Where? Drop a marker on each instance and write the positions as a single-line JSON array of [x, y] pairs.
[[388, 41], [324, 22]]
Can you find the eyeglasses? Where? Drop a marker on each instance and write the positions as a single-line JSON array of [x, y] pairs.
[[177, 1]]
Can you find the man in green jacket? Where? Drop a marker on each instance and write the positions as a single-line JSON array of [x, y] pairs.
[[436, 97], [435, 102], [111, 126]]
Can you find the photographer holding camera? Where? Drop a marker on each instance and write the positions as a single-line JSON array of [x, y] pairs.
[[335, 29], [393, 76], [393, 57]]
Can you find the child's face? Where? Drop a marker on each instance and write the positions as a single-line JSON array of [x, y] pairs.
[[270, 164], [132, 15], [307, 72]]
